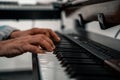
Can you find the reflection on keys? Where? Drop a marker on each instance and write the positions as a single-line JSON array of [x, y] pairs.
[[50, 69], [74, 63]]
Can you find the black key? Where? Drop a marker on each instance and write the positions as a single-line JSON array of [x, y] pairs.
[[70, 50], [71, 55], [67, 50], [93, 70], [69, 61], [68, 46]]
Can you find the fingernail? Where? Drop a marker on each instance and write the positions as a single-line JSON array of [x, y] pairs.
[[58, 38], [50, 50]]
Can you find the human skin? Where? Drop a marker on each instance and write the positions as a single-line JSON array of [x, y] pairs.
[[34, 31], [34, 40]]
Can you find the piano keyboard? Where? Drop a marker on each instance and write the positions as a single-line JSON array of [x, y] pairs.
[[81, 64], [74, 63]]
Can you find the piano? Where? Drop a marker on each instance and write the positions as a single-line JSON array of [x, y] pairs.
[[88, 51], [90, 38]]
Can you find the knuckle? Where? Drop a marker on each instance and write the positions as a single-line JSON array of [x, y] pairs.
[[28, 36], [32, 49], [42, 36], [50, 30], [43, 41], [39, 38], [33, 29]]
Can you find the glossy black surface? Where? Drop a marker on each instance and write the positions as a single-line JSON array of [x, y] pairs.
[[81, 63]]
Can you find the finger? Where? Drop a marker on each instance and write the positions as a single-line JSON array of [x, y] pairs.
[[34, 31], [42, 42], [45, 44], [33, 49], [50, 41], [54, 35], [47, 32], [40, 52]]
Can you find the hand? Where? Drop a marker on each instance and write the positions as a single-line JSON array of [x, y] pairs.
[[34, 31], [35, 44]]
